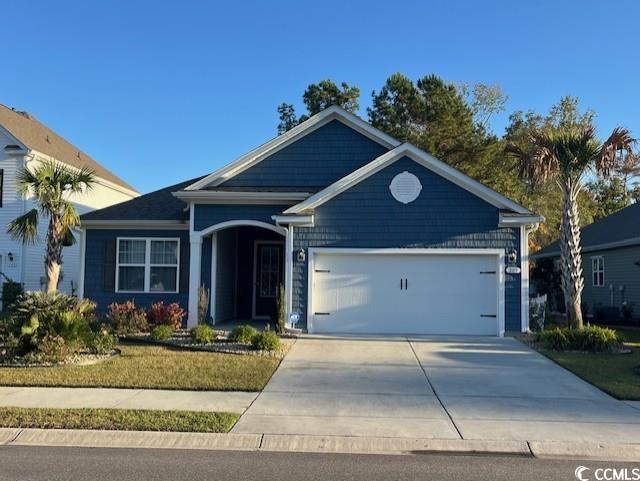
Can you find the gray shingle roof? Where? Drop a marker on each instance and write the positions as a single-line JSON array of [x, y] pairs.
[[157, 205], [621, 228], [37, 136]]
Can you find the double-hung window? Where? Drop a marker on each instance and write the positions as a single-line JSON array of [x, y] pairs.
[[597, 271], [147, 265]]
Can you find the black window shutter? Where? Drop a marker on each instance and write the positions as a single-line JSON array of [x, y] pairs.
[[109, 273], [184, 266]]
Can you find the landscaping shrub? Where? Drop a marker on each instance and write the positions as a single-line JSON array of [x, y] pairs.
[[51, 348], [161, 333], [126, 318], [10, 293], [41, 314], [243, 334], [266, 341], [161, 314], [203, 334], [101, 342], [591, 338]]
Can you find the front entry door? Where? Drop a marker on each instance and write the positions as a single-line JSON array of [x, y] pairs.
[[267, 278]]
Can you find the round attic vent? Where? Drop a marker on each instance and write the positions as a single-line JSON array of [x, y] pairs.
[[405, 187]]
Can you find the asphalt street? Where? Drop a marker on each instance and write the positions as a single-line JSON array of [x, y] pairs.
[[71, 464]]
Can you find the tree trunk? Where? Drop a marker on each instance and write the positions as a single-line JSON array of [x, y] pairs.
[[571, 255], [53, 255]]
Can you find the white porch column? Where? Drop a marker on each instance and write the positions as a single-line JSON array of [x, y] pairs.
[[195, 259], [214, 270], [288, 275], [524, 277]]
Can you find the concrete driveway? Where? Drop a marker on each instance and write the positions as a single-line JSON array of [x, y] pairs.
[[433, 387]]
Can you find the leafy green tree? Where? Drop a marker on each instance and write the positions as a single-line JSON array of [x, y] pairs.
[[50, 184], [316, 98], [610, 196], [564, 155], [430, 114]]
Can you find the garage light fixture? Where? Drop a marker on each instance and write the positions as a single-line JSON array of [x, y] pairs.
[[302, 256]]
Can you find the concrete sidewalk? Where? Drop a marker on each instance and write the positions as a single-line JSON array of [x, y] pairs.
[[153, 399], [315, 444]]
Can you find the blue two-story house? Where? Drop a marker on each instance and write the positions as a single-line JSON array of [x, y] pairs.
[[360, 232]]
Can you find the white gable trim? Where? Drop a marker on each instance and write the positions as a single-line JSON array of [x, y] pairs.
[[269, 148], [422, 158]]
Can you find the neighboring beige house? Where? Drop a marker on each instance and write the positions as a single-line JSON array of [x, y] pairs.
[[24, 141]]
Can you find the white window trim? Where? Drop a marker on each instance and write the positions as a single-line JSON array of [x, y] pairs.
[[147, 265], [593, 271]]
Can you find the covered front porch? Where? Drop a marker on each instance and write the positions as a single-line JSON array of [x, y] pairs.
[[243, 264]]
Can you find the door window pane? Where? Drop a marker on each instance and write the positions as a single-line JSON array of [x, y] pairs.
[[269, 270], [131, 278]]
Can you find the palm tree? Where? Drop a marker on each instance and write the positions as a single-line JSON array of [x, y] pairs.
[[50, 184], [566, 155]]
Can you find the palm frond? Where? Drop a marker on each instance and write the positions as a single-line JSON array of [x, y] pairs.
[[615, 151], [82, 180], [25, 227], [69, 215]]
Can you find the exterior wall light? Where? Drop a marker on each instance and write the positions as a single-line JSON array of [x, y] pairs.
[[302, 255], [512, 256]]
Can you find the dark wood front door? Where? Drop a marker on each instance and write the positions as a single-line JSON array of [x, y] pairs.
[[268, 264]]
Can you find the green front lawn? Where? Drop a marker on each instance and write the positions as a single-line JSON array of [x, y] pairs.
[[117, 419], [613, 373], [154, 367]]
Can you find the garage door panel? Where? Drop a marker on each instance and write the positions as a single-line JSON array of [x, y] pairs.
[[405, 294]]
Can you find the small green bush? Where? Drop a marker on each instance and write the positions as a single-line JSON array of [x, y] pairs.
[[101, 342], [10, 293], [203, 334], [161, 333], [243, 334], [266, 341], [126, 318], [590, 338]]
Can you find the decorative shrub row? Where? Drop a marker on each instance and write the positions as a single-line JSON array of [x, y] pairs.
[[591, 339], [126, 318]]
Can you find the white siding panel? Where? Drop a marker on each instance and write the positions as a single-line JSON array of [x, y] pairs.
[[28, 264]]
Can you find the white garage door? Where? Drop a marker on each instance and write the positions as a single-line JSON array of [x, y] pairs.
[[399, 293]]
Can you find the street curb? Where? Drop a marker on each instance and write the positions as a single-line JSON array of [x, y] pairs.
[[591, 451], [315, 444]]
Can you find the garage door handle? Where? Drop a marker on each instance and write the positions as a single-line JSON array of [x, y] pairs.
[[321, 313], [488, 315], [322, 270], [487, 272]]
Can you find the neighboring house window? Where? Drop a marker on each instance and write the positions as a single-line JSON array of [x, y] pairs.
[[147, 265], [597, 271]]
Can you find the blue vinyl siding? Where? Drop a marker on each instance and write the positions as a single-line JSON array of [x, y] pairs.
[[621, 279], [207, 215], [95, 264], [444, 215], [316, 160]]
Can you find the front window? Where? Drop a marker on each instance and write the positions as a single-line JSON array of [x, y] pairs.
[[147, 265], [597, 271]]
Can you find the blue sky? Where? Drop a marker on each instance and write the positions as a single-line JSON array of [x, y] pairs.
[[164, 91]]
